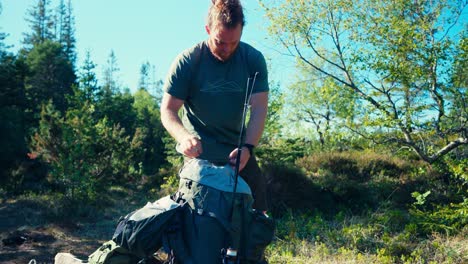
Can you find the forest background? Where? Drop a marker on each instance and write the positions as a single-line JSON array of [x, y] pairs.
[[365, 146]]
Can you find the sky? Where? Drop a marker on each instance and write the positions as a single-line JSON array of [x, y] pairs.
[[139, 31]]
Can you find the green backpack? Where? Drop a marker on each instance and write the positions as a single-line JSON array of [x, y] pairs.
[[215, 219], [198, 225], [141, 233], [111, 253]]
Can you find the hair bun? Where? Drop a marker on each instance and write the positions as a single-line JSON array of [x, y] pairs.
[[227, 12], [225, 2]]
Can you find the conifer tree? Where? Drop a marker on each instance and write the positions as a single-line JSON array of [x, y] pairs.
[[144, 81], [51, 76], [88, 80], [149, 82], [65, 29], [41, 23], [110, 75], [13, 126]]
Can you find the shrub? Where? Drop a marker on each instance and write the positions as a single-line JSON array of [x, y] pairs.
[[82, 155], [290, 188], [364, 180], [449, 219]]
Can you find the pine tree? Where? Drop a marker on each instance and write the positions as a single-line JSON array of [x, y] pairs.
[[144, 81], [65, 29], [3, 35], [3, 47], [110, 75], [13, 126], [51, 76], [88, 80], [41, 22], [59, 18], [150, 132], [149, 82]]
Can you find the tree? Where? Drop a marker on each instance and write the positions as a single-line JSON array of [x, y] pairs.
[[395, 57], [149, 82], [322, 104], [88, 82], [51, 76], [65, 29], [150, 131], [41, 22], [111, 83], [84, 155], [3, 46], [118, 109], [144, 82], [14, 126], [273, 125], [459, 94]]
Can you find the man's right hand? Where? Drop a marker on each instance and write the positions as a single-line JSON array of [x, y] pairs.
[[190, 147], [187, 144]]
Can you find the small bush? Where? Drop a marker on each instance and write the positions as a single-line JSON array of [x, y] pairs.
[[359, 166], [290, 189], [364, 180], [449, 219]]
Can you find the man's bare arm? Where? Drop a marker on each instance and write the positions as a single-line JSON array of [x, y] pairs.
[[258, 113], [189, 145], [254, 130]]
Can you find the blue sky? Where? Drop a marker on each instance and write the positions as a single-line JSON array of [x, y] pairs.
[[139, 31]]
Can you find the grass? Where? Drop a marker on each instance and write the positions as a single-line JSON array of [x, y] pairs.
[[330, 208], [360, 239], [359, 207]]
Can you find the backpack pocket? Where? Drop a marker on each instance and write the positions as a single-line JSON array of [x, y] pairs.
[[259, 234], [141, 231], [111, 253]]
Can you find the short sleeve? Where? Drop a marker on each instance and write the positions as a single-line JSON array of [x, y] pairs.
[[261, 82], [177, 81]]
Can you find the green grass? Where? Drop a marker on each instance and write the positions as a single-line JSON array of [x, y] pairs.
[[361, 239], [363, 207], [342, 207]]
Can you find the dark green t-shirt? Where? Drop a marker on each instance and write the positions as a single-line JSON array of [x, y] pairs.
[[214, 93]]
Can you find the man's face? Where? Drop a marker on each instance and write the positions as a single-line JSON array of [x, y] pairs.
[[223, 41]]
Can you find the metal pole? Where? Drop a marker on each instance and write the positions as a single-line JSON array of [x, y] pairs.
[[248, 95]]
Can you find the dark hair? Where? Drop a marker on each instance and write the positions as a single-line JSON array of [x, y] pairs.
[[228, 13]]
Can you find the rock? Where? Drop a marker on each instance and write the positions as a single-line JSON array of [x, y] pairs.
[[67, 258]]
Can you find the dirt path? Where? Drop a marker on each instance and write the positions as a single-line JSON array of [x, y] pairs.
[[25, 235], [27, 231]]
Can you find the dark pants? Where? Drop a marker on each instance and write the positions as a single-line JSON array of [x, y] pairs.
[[257, 182]]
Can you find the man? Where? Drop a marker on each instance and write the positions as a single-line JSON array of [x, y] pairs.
[[209, 81]]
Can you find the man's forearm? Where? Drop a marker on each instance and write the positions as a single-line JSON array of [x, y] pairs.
[[173, 125], [255, 127], [258, 113], [170, 117]]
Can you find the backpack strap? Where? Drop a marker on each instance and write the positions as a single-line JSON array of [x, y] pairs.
[[227, 226]]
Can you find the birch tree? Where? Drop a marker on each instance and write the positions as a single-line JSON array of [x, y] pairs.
[[397, 57]]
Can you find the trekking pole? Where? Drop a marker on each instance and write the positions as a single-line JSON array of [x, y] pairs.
[[231, 253], [248, 95]]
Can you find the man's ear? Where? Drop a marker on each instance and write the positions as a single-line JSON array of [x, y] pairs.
[[207, 28]]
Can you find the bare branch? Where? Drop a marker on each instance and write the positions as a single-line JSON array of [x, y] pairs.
[[299, 53], [312, 46], [460, 11], [449, 147], [389, 98]]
